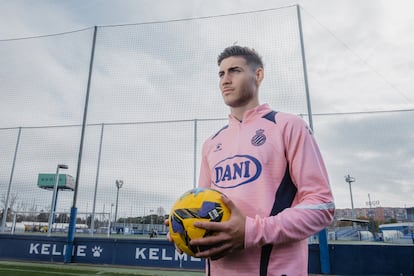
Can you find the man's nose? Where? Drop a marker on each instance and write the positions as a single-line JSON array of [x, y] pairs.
[[226, 79]]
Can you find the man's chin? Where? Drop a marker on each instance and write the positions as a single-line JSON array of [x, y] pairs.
[[230, 102], [233, 104]]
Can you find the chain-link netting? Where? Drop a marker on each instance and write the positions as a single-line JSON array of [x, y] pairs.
[[154, 99]]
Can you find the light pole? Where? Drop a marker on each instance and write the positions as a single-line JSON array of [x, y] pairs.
[[53, 206], [110, 219], [118, 184], [351, 179]]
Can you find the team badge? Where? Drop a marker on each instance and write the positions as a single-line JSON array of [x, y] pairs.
[[259, 138]]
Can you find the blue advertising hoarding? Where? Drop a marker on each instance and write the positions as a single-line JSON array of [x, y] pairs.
[[345, 259], [133, 252]]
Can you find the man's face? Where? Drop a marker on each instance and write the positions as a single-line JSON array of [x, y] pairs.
[[237, 82]]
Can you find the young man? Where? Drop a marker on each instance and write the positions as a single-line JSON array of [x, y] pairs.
[[269, 166]]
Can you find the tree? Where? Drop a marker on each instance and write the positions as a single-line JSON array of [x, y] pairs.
[[391, 220], [12, 201], [62, 218], [43, 216]]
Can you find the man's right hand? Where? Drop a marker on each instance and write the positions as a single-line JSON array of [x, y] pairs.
[[167, 223]]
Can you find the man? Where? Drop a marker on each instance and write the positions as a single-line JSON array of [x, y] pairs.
[[269, 166]]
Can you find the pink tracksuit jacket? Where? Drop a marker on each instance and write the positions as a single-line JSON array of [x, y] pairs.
[[270, 166]]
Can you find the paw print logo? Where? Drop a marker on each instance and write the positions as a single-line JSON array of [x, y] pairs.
[[97, 250]]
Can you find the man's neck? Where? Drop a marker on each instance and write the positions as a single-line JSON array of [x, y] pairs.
[[238, 112]]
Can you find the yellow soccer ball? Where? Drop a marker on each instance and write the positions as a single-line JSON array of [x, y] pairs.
[[199, 204]]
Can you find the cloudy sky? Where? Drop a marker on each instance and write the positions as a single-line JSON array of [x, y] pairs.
[[360, 67]]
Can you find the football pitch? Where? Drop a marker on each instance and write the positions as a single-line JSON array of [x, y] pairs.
[[10, 268]]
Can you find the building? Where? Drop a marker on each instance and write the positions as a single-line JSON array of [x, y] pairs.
[[380, 214], [410, 214]]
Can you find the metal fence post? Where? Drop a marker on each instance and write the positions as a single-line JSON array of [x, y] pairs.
[[73, 212]]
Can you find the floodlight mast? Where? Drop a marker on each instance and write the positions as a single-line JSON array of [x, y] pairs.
[[351, 179], [54, 198], [118, 184], [110, 220]]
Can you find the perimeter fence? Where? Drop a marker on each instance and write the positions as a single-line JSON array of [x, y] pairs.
[[153, 100]]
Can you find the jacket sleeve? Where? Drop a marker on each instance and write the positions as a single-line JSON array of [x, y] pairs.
[[312, 208]]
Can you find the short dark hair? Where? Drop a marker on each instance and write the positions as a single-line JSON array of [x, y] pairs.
[[253, 59]]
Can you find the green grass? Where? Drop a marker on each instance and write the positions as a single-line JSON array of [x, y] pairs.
[[9, 268]]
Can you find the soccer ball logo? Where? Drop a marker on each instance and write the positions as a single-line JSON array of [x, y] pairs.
[[198, 204]]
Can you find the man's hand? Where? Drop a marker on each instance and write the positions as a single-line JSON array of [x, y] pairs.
[[229, 234], [167, 223]]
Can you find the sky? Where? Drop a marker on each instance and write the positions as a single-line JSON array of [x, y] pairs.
[[358, 56]]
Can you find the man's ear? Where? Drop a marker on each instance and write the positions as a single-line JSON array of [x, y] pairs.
[[259, 74]]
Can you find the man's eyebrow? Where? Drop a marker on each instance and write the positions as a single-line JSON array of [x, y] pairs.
[[230, 68], [234, 67]]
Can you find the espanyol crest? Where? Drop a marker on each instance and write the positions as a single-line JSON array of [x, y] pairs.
[[259, 138]]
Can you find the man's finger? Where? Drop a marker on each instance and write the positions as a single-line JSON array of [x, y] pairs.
[[210, 240], [214, 252], [212, 226], [169, 237]]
